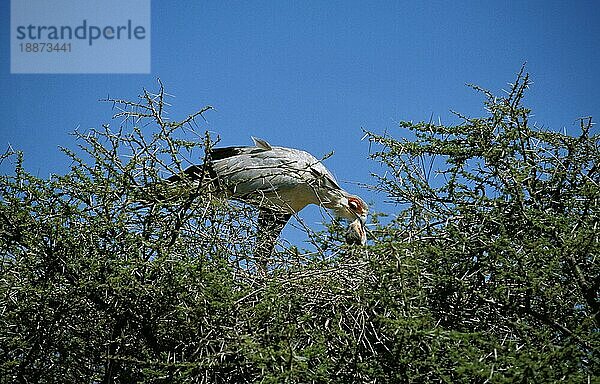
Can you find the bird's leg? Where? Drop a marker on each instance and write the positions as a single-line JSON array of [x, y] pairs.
[[270, 225]]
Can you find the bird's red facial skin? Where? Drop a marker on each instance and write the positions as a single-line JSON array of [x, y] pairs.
[[356, 205]]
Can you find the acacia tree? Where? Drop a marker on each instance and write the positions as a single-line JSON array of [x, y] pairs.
[[506, 215], [487, 271]]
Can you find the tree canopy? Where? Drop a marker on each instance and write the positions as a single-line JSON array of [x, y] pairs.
[[487, 270]]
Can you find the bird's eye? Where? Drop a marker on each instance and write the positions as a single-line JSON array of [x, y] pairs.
[[353, 205]]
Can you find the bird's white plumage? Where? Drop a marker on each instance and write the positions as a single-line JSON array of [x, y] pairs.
[[285, 177]]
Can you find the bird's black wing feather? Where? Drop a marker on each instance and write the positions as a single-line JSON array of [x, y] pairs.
[[193, 172], [228, 152], [225, 152]]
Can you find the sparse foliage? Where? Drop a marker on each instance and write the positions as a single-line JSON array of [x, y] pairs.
[[488, 271], [506, 215]]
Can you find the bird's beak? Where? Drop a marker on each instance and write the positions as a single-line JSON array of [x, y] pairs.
[[361, 218]]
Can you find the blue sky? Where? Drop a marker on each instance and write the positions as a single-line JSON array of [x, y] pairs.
[[311, 74]]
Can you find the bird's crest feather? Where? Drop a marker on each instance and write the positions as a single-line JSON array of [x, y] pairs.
[[260, 143]]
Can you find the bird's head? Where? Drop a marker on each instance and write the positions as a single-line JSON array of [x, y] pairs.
[[352, 207]]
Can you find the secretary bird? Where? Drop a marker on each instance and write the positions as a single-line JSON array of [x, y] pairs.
[[280, 182]]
